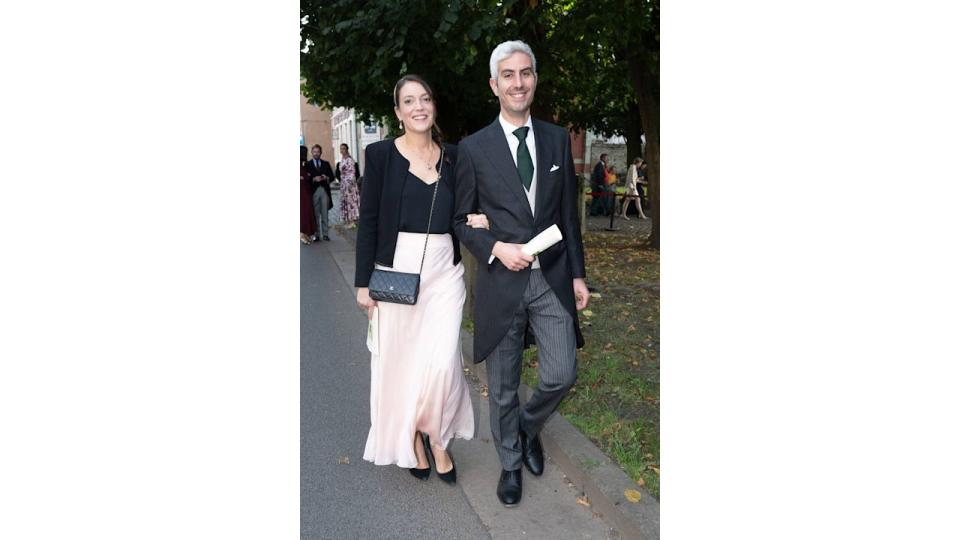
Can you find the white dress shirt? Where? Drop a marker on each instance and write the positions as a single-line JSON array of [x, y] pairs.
[[514, 143]]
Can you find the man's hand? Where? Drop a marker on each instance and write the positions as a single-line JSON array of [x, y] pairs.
[[511, 256], [581, 293]]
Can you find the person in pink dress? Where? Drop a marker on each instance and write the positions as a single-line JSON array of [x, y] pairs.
[[419, 398]]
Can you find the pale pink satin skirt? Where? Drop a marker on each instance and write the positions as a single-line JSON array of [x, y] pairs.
[[417, 381]]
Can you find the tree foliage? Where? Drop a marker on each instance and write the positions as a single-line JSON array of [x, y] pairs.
[[597, 60], [354, 52]]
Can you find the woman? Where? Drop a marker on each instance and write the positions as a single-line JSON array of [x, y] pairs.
[[348, 171], [308, 218], [632, 195], [419, 399]]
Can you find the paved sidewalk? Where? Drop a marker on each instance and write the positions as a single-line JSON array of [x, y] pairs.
[[360, 500], [601, 483]]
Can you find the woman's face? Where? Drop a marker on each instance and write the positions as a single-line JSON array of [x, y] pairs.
[[343, 150], [415, 108]]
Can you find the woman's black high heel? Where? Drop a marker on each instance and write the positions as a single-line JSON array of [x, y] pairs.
[[450, 476], [422, 474]]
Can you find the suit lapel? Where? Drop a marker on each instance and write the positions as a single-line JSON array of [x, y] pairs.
[[544, 162], [498, 152]]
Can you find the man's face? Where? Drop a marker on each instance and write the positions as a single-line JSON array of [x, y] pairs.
[[515, 83], [603, 159], [317, 152]]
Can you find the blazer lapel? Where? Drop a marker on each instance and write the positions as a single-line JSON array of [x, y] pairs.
[[544, 162], [498, 152], [393, 189]]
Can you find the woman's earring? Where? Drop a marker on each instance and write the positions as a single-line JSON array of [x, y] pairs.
[[401, 125]]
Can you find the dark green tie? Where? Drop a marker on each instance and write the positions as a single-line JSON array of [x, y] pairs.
[[524, 161]]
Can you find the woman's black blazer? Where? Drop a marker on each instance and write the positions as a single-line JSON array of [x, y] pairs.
[[380, 199]]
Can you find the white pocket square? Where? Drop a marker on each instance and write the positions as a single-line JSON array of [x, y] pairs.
[[555, 167]]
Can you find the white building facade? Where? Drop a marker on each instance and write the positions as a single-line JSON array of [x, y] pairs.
[[346, 128]]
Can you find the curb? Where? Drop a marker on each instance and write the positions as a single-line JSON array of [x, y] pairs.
[[599, 477]]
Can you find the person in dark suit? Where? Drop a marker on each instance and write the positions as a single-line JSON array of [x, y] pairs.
[[321, 174], [519, 171], [598, 187]]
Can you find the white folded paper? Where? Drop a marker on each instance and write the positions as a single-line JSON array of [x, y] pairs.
[[373, 332], [542, 241]]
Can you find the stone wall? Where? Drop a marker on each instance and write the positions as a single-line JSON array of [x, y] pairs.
[[617, 156]]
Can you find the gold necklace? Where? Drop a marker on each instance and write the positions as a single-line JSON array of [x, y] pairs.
[[426, 162]]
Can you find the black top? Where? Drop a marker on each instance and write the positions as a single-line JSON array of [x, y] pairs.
[[384, 181], [415, 206]]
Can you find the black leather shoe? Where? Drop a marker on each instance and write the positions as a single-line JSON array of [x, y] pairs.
[[327, 238], [510, 488], [532, 452]]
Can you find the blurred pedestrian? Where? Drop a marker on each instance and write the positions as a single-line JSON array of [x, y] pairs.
[[321, 174], [632, 195], [308, 218], [348, 171], [642, 184], [611, 187], [598, 186]]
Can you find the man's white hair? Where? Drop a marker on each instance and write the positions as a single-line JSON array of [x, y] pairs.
[[507, 48]]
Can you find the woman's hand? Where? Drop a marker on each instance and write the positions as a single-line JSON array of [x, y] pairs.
[[365, 302], [478, 221]]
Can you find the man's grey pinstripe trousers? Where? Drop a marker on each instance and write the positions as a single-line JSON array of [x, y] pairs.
[[552, 327]]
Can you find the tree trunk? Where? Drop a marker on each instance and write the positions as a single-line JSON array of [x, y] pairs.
[[646, 83], [634, 130]]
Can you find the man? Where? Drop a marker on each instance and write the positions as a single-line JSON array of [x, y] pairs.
[[519, 170], [598, 186], [321, 173]]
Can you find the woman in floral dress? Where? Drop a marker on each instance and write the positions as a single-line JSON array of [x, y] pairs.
[[348, 171]]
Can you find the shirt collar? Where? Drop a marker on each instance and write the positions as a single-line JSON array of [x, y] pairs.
[[509, 128]]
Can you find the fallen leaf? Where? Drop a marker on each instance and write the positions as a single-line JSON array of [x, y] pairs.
[[632, 495], [654, 468], [641, 481], [583, 500], [344, 460], [595, 295]]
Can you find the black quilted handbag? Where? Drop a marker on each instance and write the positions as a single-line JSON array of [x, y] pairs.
[[403, 287]]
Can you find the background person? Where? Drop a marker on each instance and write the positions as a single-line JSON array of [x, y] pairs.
[[321, 174], [348, 173]]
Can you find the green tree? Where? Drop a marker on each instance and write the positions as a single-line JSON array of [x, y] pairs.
[[352, 53], [598, 62], [609, 57]]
